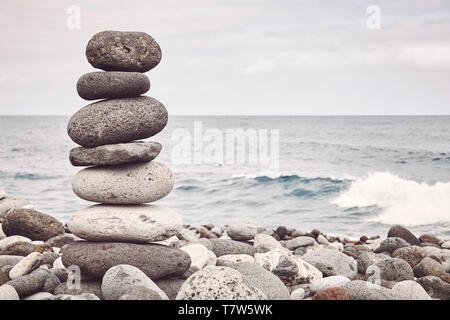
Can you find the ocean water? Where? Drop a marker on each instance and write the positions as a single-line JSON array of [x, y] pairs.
[[346, 175]]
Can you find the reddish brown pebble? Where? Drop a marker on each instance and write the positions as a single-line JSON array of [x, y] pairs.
[[331, 294]]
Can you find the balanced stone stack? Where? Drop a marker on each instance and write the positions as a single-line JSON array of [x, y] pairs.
[[122, 175]]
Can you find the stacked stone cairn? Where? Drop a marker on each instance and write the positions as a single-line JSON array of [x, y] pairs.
[[121, 173]]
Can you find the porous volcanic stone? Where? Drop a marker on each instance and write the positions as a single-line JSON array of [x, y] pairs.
[[123, 51], [31, 224], [112, 85], [117, 121], [222, 247], [115, 154], [133, 183], [156, 261]]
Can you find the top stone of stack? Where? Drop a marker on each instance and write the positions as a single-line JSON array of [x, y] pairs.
[[123, 51]]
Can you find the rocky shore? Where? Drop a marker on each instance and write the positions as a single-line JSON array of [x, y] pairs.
[[237, 261]]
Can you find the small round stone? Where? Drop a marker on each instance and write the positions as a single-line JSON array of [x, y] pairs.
[[117, 121], [123, 51], [112, 85], [133, 183]]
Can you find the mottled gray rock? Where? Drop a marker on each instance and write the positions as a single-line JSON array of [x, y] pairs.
[[391, 269], [18, 248], [31, 224], [123, 51], [298, 294], [332, 262], [412, 254], [117, 121], [300, 242], [328, 282], [367, 258], [223, 247], [403, 233], [9, 260], [410, 290], [122, 278], [219, 283], [268, 283], [40, 280], [112, 85], [391, 244], [86, 286], [10, 203], [435, 287], [133, 183], [430, 267], [241, 231], [140, 293], [231, 259], [362, 290], [156, 261], [115, 154], [131, 223], [62, 239], [170, 286], [7, 292]]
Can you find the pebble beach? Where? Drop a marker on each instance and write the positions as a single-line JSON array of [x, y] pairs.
[[125, 247]]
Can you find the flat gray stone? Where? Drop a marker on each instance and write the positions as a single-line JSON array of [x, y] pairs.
[[115, 154], [241, 231], [117, 121], [130, 223], [40, 280], [264, 280], [32, 224], [332, 262], [156, 261], [222, 247], [112, 85], [123, 51], [133, 183], [302, 241]]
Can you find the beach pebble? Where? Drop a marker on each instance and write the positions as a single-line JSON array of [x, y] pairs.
[[332, 263], [10, 203], [39, 296], [83, 296], [266, 240], [62, 239], [339, 246], [18, 248], [112, 85], [300, 242], [331, 294], [140, 293], [134, 183], [26, 265], [122, 278], [412, 254], [217, 231], [123, 51], [32, 224], [9, 260], [223, 247], [212, 259], [198, 253], [391, 269], [241, 231], [37, 281], [298, 294], [362, 290], [446, 245], [115, 154], [156, 261], [366, 259], [429, 238], [403, 233], [219, 283], [322, 240], [8, 241], [131, 223], [430, 267], [230, 259], [328, 282], [435, 287], [117, 121], [410, 290], [7, 292], [170, 286], [391, 244], [288, 267]]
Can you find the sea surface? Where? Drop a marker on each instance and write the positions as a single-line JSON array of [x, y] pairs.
[[344, 175]]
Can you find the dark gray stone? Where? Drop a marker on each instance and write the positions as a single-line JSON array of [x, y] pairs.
[[31, 224], [40, 280], [62, 240], [123, 51], [403, 233], [223, 247], [156, 261], [115, 154], [117, 121], [391, 244], [112, 85], [435, 287], [170, 286], [264, 280]]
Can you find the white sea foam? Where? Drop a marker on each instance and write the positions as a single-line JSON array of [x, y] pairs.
[[403, 201]]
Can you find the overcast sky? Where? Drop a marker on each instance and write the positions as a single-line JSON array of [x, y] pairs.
[[239, 56]]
